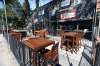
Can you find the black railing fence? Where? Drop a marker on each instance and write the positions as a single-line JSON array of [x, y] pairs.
[[25, 55], [97, 56]]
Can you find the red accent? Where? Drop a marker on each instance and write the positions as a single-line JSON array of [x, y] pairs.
[[68, 14]]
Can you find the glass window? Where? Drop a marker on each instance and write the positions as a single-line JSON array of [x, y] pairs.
[[54, 10], [76, 2], [65, 3], [41, 12]]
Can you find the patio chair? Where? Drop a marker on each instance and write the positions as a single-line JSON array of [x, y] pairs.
[[52, 55], [41, 33], [66, 45], [77, 43]]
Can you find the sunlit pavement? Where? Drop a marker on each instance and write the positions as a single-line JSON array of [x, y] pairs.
[[81, 58], [6, 56]]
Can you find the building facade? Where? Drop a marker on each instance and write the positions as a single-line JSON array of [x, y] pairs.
[[67, 13]]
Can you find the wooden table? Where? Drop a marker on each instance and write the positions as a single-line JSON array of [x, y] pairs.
[[37, 43], [15, 30], [72, 35]]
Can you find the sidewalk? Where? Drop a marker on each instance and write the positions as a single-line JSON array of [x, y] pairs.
[[6, 56]]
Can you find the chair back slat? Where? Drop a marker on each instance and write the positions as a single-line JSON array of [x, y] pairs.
[[55, 48]]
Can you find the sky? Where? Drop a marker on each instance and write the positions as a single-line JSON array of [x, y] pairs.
[[32, 3], [1, 4]]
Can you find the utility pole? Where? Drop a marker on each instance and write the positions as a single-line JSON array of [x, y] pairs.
[[3, 25], [6, 20]]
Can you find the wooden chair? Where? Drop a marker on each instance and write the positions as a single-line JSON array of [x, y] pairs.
[[77, 43], [41, 33], [79, 36], [52, 55], [66, 45]]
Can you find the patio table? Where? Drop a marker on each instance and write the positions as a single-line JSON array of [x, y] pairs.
[[19, 30], [70, 36], [37, 44]]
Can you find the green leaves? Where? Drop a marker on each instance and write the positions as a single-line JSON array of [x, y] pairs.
[[10, 1]]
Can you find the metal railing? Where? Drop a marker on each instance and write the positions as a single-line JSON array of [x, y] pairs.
[[25, 55]]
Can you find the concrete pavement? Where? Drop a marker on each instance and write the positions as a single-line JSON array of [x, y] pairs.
[[6, 56]]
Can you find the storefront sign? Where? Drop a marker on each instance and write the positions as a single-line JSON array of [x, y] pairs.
[[68, 14]]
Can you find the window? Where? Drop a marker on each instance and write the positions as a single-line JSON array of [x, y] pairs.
[[41, 12], [76, 2], [65, 3], [54, 10]]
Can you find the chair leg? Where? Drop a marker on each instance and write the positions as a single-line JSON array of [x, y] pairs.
[[76, 48]]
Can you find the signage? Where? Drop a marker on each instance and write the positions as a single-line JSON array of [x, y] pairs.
[[68, 14]]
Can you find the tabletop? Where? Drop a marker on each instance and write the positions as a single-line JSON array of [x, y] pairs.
[[43, 30], [19, 30], [37, 43], [70, 34]]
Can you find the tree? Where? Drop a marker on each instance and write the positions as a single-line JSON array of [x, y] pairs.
[[14, 12], [37, 6], [23, 13], [27, 6], [8, 2]]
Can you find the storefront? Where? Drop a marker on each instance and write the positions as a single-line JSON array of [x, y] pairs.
[[76, 14]]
